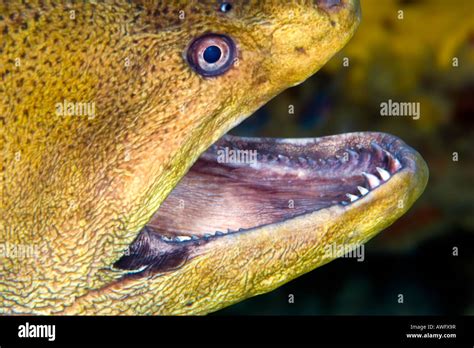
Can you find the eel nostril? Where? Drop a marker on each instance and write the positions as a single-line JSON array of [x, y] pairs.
[[328, 4]]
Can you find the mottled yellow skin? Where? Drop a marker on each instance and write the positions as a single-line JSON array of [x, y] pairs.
[[80, 188]]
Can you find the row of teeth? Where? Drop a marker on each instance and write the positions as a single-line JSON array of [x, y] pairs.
[[373, 182], [195, 238], [394, 164]]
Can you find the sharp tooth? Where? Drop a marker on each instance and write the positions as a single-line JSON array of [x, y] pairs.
[[182, 238], [393, 163], [363, 191], [166, 239], [383, 173], [193, 237], [378, 149], [219, 233], [352, 197], [352, 154], [372, 180], [207, 235]]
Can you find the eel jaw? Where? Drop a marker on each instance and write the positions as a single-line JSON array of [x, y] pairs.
[[283, 215]]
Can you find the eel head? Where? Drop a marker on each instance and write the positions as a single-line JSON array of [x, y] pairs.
[[145, 206]]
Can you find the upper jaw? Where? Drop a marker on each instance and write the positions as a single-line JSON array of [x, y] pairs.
[[336, 174]]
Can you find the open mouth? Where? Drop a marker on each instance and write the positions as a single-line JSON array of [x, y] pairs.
[[241, 184]]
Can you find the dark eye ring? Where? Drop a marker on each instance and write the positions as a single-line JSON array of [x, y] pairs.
[[211, 54]]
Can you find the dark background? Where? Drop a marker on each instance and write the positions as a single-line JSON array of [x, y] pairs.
[[406, 60]]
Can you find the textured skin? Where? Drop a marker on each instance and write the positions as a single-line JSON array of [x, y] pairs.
[[79, 189]]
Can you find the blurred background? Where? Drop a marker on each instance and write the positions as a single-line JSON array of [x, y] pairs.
[[409, 51]]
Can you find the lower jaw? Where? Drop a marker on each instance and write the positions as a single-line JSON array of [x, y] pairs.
[[242, 186]]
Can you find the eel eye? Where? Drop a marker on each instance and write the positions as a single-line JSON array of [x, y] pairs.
[[211, 54], [225, 7]]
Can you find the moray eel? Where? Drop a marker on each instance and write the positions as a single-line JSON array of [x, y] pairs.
[[113, 117]]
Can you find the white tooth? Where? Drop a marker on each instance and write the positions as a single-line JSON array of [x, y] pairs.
[[378, 149], [207, 235], [396, 165], [371, 179], [193, 237], [383, 173], [362, 190], [352, 197], [219, 233], [393, 162], [166, 239], [182, 238]]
